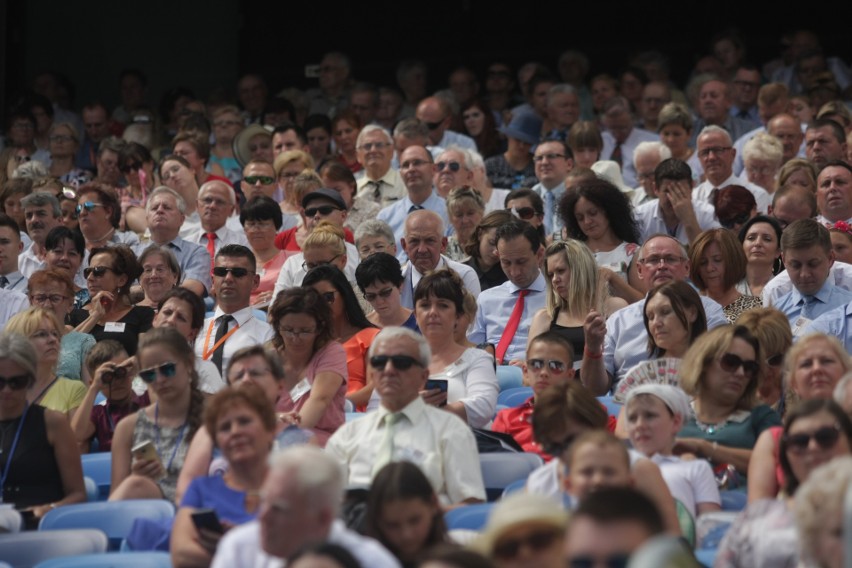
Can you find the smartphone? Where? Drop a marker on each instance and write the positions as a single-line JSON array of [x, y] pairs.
[[207, 519], [145, 451], [440, 384]]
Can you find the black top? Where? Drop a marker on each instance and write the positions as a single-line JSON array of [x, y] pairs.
[[491, 278], [574, 335], [126, 330]]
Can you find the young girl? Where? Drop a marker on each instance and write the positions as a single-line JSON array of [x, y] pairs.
[[403, 512], [655, 414], [841, 241]]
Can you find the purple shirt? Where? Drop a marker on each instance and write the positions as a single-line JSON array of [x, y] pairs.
[[106, 416]]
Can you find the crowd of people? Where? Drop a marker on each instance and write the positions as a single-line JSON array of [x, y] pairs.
[[263, 305]]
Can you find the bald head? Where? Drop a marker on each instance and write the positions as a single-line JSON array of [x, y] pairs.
[[435, 114], [424, 239]]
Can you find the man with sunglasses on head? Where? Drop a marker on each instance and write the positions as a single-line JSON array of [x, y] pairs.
[[233, 325], [381, 183], [404, 427]]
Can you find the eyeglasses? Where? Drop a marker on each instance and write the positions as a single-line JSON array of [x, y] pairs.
[[264, 180], [52, 298], [135, 166], [16, 383], [611, 561], [548, 157], [323, 210], [775, 360], [825, 437], [704, 152], [452, 166], [525, 213], [558, 448], [236, 271], [167, 370], [308, 266], [120, 373], [508, 549], [293, 334], [371, 296], [730, 363], [88, 206], [667, 260], [400, 362], [97, 271], [553, 366], [369, 146]]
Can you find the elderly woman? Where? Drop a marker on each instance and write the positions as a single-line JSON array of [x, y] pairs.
[[227, 123], [818, 508], [721, 371], [772, 330], [374, 236], [288, 165], [465, 208], [160, 273], [63, 145], [760, 237], [481, 249], [48, 474], [762, 156], [717, 264], [798, 171]]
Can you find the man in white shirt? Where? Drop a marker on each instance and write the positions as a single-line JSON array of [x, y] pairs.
[[404, 427], [553, 160], [41, 214], [834, 193], [10, 304], [299, 505], [424, 241], [216, 203], [381, 183], [233, 325], [10, 247]]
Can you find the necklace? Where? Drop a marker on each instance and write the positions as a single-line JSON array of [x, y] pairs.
[[710, 428]]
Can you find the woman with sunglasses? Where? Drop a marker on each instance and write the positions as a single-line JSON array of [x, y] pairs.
[[167, 365], [160, 273], [110, 314], [49, 389], [112, 373], [137, 167], [764, 533], [315, 370], [261, 219], [380, 279], [349, 326], [41, 467], [600, 215], [721, 372], [65, 249], [481, 249], [717, 264], [465, 207], [812, 369]]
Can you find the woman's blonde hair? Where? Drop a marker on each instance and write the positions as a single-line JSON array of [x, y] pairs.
[[326, 234], [290, 156], [586, 291], [26, 322], [799, 347]]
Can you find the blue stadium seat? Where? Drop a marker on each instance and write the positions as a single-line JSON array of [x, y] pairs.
[[112, 560], [471, 517], [501, 469], [92, 491], [26, 549], [612, 407], [98, 467], [509, 376], [514, 396], [514, 487]]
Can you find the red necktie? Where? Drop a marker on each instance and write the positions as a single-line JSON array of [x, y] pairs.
[[211, 245], [511, 326]]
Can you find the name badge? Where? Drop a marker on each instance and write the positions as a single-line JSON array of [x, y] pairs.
[[301, 389], [114, 327], [800, 325]]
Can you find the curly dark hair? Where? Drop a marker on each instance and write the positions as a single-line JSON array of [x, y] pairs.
[[332, 274], [615, 205], [304, 300], [124, 262]]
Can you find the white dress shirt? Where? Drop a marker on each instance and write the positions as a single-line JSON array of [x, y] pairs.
[[705, 188], [435, 440], [224, 236], [649, 220], [636, 136], [11, 303], [28, 262], [411, 277], [452, 138], [251, 331]]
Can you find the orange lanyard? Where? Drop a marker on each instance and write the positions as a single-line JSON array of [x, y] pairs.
[[209, 352]]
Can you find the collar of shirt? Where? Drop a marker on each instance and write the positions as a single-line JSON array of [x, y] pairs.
[[433, 202], [823, 294], [413, 411], [538, 285], [242, 316], [416, 276]]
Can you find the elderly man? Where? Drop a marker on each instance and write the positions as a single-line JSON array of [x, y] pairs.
[[436, 114], [334, 81], [616, 345], [165, 215], [714, 102], [381, 183], [563, 110], [406, 428], [646, 157], [553, 160], [834, 193], [452, 169], [825, 141], [505, 311], [655, 95], [716, 154], [41, 213], [621, 138], [423, 242], [299, 507], [216, 204]]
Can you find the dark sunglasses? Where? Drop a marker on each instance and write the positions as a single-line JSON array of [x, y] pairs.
[[322, 209], [88, 206], [264, 180], [553, 366], [525, 213], [237, 271], [775, 360], [730, 363], [613, 561], [168, 370], [97, 271], [371, 296], [434, 125], [400, 362], [825, 437], [453, 166], [16, 383], [126, 168], [120, 374], [508, 549]]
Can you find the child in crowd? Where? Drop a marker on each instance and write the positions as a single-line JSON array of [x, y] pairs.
[[655, 414], [596, 460], [112, 371]]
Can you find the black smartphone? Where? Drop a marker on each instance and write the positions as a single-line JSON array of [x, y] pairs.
[[207, 519], [441, 384]]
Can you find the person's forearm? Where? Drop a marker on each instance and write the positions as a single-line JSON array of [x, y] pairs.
[[594, 376], [690, 225], [81, 422], [313, 411], [717, 453], [458, 409], [622, 289], [360, 397], [87, 325]]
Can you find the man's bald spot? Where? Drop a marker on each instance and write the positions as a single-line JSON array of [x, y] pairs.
[[421, 153], [207, 186], [780, 119], [425, 220]]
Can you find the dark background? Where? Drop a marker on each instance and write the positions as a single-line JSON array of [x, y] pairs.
[[208, 45]]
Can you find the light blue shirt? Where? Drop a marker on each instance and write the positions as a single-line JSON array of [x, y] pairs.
[[193, 259], [10, 304], [396, 213], [551, 197], [495, 307], [628, 168], [16, 282], [626, 341], [826, 299], [649, 220], [411, 277], [834, 322]]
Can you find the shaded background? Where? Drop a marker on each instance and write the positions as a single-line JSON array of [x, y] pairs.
[[207, 45]]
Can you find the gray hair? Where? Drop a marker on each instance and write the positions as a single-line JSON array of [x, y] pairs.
[[31, 170], [40, 199], [266, 353], [372, 128], [319, 476], [477, 162], [374, 228], [560, 89], [647, 147], [210, 184], [411, 128], [818, 498], [764, 146], [713, 129], [424, 351], [181, 202], [468, 164], [18, 349], [617, 105]]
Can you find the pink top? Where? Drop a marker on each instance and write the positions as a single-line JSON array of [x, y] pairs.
[[330, 358], [269, 275]]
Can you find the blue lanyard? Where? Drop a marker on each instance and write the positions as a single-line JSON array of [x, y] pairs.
[[157, 428], [12, 450]]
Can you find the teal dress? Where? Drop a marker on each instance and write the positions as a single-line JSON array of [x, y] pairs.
[[72, 354], [740, 431]]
